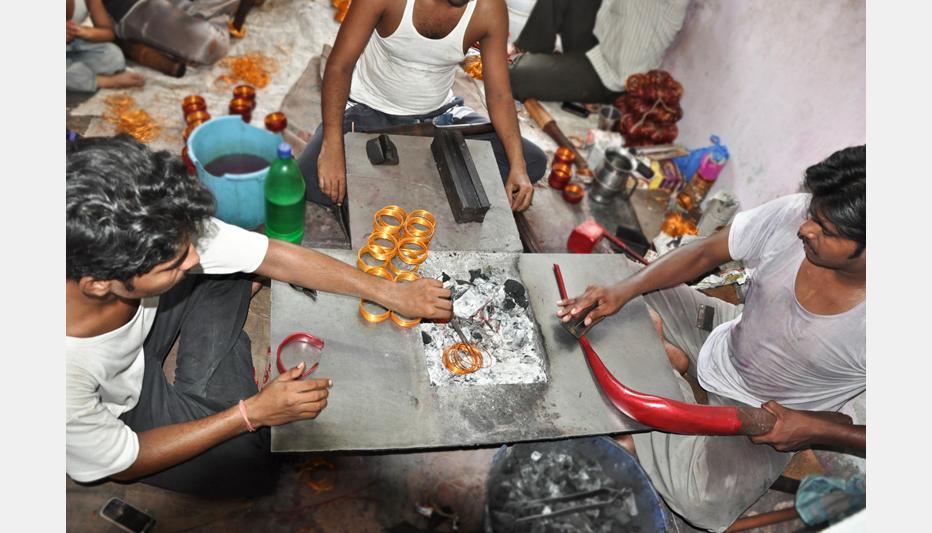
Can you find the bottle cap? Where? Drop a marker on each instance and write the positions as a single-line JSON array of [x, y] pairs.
[[284, 150]]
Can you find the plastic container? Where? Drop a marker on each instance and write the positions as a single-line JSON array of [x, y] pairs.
[[284, 198], [240, 197]]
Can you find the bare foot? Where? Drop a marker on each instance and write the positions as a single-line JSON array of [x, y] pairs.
[[121, 80]]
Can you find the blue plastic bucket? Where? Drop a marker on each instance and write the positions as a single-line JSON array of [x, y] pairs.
[[240, 197], [615, 461]]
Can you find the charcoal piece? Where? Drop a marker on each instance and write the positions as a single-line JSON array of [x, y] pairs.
[[476, 335], [476, 274], [521, 301], [508, 304], [382, 151], [514, 288], [425, 338], [444, 277], [459, 176]]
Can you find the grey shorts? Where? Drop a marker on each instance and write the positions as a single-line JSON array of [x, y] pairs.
[[709, 481]]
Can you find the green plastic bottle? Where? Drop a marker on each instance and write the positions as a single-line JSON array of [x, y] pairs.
[[284, 198]]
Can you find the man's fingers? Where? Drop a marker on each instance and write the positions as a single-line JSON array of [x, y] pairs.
[[313, 396], [341, 188], [525, 196], [444, 305]]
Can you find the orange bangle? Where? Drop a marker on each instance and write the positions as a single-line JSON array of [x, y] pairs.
[[378, 251], [381, 272], [405, 276], [378, 223], [362, 264], [417, 232], [427, 215], [409, 256], [390, 264]]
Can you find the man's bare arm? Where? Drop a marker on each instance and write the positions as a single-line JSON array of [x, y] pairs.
[[287, 262], [500, 100], [354, 34], [285, 399], [795, 430], [679, 266]]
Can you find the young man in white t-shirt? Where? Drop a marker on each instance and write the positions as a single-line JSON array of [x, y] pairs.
[[797, 345], [147, 264]]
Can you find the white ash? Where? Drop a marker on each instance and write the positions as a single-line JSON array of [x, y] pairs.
[[499, 322]]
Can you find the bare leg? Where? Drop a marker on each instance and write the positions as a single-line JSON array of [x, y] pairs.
[[121, 80], [678, 358]]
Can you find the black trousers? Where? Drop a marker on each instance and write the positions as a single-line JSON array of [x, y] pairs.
[[362, 118], [206, 314], [568, 76]]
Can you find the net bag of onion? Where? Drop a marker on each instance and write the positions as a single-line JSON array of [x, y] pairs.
[[650, 108]]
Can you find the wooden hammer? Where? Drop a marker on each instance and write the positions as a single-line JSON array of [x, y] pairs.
[[549, 125]]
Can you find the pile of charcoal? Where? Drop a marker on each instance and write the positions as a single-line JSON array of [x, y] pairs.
[[557, 492]]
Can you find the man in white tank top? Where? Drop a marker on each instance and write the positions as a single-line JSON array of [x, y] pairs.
[[394, 61], [798, 345]]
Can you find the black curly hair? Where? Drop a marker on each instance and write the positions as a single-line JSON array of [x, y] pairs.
[[128, 208], [839, 192]]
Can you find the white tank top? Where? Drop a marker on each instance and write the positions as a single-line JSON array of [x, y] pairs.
[[407, 73], [80, 11]]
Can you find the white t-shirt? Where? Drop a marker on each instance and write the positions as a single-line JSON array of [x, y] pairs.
[[777, 350], [104, 373]]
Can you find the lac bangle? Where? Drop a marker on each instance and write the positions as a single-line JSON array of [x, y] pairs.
[[364, 265], [392, 211], [396, 269], [381, 252], [194, 101], [380, 272], [425, 215], [246, 92], [413, 231], [197, 116], [409, 256], [276, 122]]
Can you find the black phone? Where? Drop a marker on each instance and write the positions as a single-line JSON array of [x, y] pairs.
[[575, 108], [126, 517]]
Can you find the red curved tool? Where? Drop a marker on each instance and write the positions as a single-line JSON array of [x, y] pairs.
[[666, 414]]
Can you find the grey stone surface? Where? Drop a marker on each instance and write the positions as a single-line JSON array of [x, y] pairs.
[[382, 399], [415, 184]]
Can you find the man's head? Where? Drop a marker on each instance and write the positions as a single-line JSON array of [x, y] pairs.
[[835, 235], [131, 216]]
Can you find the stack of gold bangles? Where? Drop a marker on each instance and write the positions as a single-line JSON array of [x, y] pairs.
[[395, 235]]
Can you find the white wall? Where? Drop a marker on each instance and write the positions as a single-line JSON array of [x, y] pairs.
[[782, 82]]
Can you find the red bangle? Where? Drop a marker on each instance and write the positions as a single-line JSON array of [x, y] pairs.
[[242, 411]]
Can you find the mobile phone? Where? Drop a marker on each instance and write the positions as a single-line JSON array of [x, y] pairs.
[[575, 108], [705, 317], [126, 517]]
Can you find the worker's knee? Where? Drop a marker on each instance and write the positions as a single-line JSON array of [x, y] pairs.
[[535, 160], [109, 59]]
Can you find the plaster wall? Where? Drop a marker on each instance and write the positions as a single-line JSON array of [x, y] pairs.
[[782, 82]]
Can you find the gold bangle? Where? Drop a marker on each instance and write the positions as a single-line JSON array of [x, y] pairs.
[[417, 232], [405, 276], [409, 256], [393, 211], [380, 272], [378, 251], [361, 264], [390, 264]]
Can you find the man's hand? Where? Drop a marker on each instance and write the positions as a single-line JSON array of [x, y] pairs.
[[424, 298], [519, 190], [331, 173], [794, 430], [610, 300], [288, 398], [73, 30]]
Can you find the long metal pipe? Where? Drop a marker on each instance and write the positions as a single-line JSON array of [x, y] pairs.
[[671, 415]]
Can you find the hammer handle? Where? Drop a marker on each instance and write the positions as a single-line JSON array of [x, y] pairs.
[[545, 121]]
